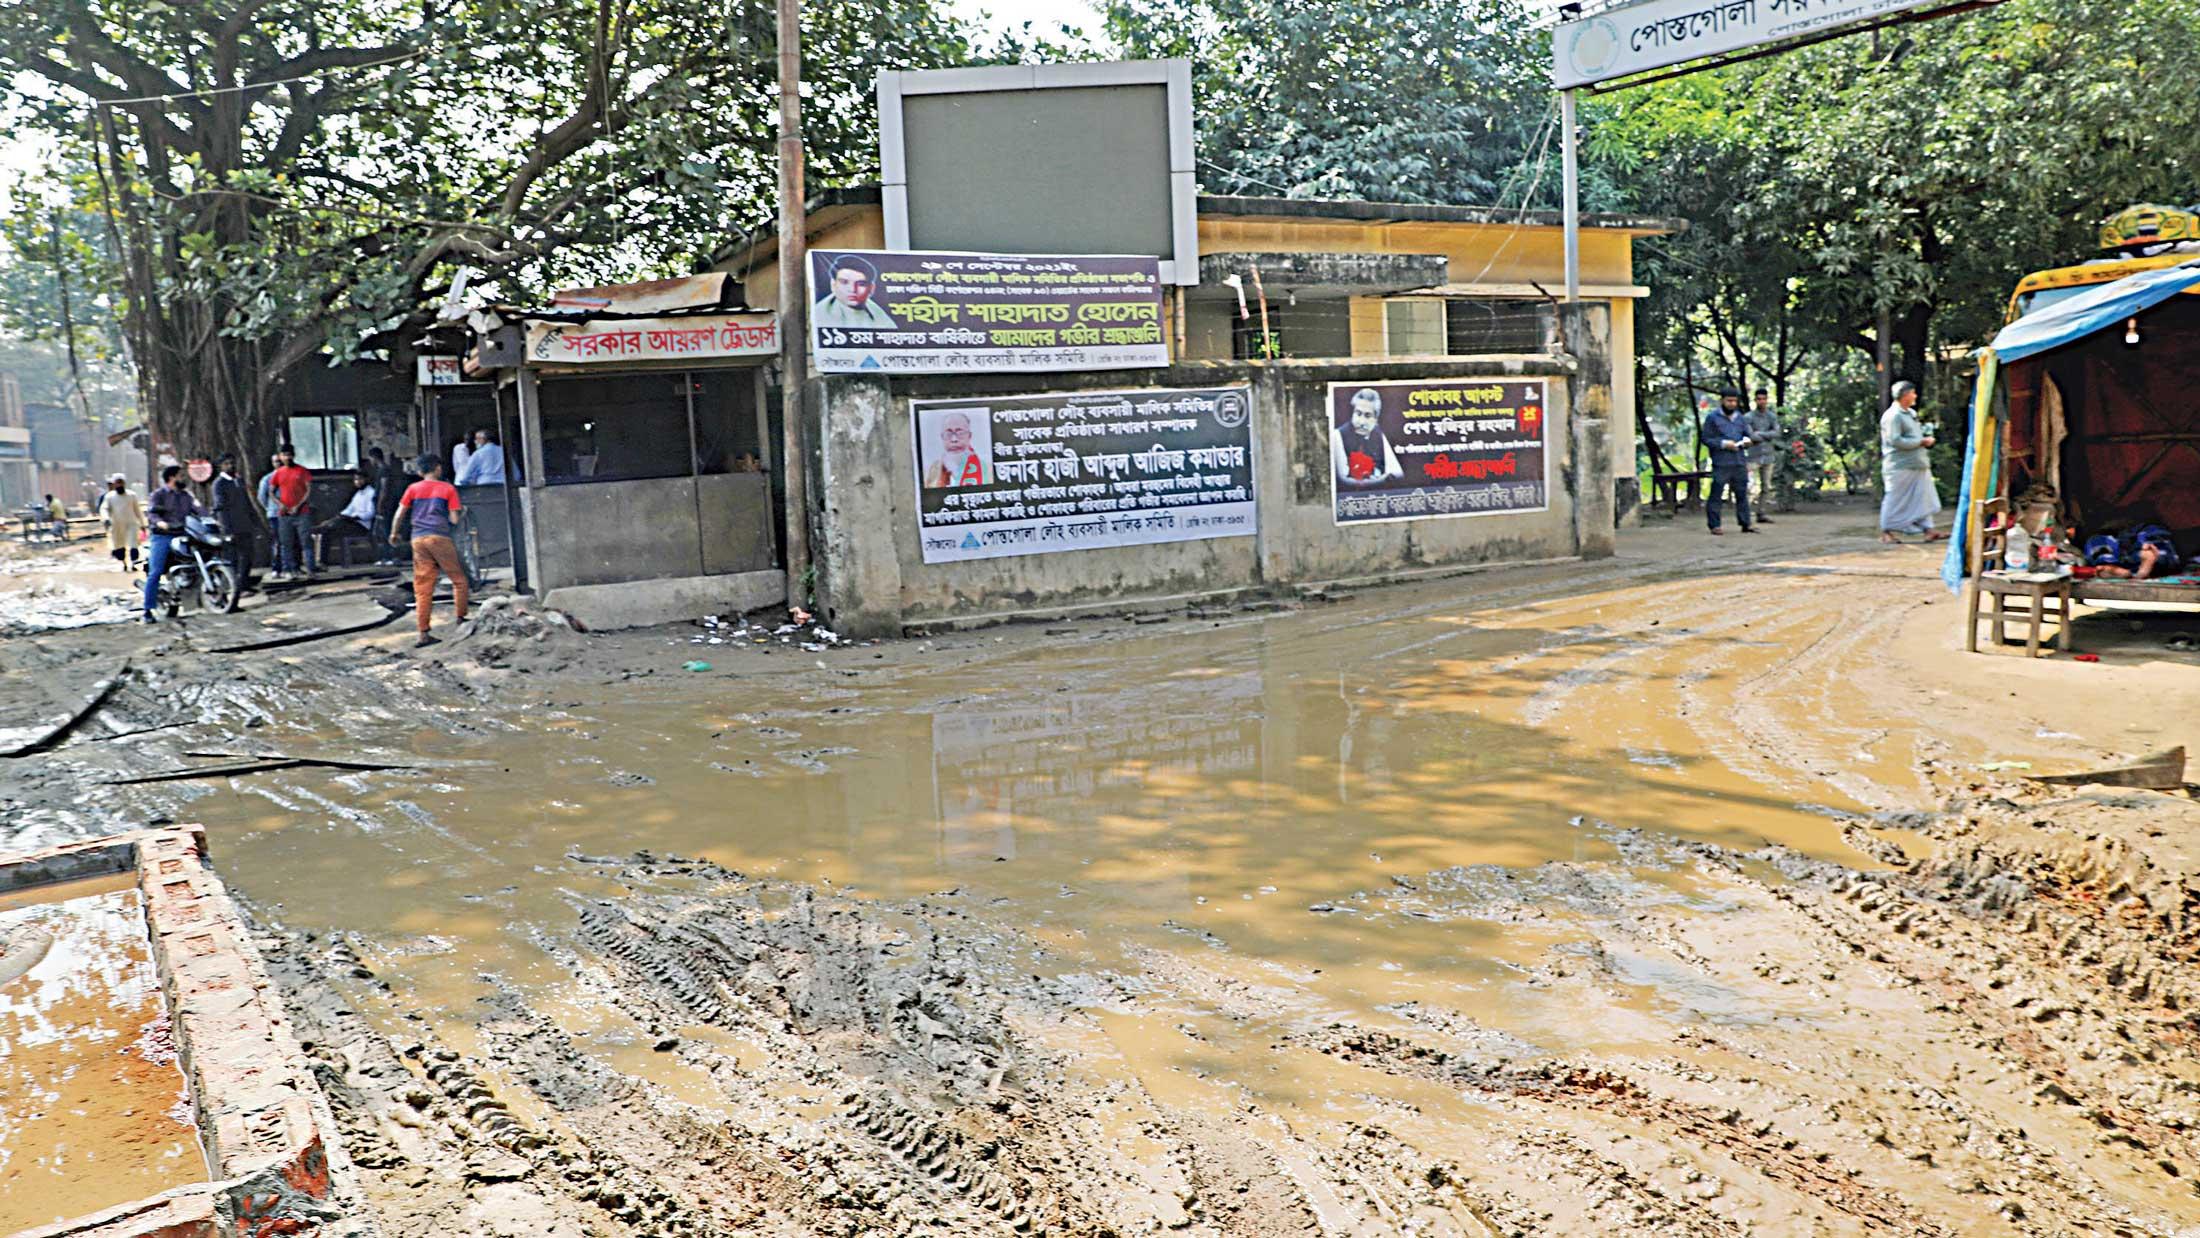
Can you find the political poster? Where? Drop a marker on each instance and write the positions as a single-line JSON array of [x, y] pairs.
[[1027, 475], [1440, 447], [931, 313]]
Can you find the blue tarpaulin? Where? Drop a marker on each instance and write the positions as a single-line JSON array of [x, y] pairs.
[[2096, 309]]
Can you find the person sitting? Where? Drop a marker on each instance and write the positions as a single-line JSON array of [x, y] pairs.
[[356, 520], [2145, 552]]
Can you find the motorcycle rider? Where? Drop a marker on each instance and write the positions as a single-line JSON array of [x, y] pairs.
[[172, 507]]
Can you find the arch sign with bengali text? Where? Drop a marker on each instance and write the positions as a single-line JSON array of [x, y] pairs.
[[1627, 39]]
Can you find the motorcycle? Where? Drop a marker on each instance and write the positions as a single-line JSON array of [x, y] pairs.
[[198, 567]]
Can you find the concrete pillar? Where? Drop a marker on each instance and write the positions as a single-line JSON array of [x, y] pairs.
[[858, 566], [1587, 330]]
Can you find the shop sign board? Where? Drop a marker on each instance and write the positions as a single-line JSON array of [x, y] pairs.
[[439, 371], [1436, 448], [623, 341], [940, 313], [1036, 474], [1627, 39]]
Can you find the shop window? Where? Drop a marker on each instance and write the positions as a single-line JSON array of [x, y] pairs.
[[1414, 327], [1492, 325], [725, 423], [635, 427], [325, 440]]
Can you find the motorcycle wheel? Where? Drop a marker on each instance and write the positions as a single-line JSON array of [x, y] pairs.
[[171, 595], [221, 590]]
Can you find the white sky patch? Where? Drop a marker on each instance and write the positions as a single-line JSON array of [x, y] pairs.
[[1000, 16]]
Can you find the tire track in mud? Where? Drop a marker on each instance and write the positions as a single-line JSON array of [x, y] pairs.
[[1613, 1094]]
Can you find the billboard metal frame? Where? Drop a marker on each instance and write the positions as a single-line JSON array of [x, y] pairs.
[[1180, 267]]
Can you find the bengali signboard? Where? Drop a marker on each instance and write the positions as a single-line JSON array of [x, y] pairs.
[[1650, 34], [927, 313], [625, 340], [439, 371], [1027, 475], [1442, 447]]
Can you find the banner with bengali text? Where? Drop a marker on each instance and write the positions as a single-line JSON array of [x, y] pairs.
[[1439, 447], [617, 341], [936, 313], [1026, 475]]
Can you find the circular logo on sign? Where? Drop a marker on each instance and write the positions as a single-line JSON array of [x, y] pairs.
[[1594, 46], [199, 470], [1230, 409]]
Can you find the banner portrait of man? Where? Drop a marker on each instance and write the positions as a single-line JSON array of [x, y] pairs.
[[852, 282], [958, 447], [1359, 449]]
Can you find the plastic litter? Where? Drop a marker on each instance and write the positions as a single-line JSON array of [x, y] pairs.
[[695, 666]]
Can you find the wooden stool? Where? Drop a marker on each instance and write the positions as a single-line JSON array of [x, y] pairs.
[[2034, 589]]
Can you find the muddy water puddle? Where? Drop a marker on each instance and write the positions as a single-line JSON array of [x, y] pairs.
[[93, 1110], [1343, 811]]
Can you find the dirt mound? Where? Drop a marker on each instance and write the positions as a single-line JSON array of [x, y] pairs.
[[512, 632]]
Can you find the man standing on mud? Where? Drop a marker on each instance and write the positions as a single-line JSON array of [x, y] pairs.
[[1764, 453], [1726, 433], [233, 514], [389, 484], [431, 507], [294, 513]]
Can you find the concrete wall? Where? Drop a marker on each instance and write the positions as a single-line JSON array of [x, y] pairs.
[[872, 578], [598, 533]]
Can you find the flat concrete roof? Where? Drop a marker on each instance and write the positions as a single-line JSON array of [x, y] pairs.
[[756, 245], [1420, 212]]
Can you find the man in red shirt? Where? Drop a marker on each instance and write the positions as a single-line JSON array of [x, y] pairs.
[[293, 514], [431, 507]]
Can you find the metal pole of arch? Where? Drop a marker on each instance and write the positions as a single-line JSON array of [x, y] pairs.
[[1569, 162], [794, 334]]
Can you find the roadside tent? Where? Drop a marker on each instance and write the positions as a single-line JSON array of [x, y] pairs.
[[2062, 399]]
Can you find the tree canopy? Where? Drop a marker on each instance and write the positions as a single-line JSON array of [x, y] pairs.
[[277, 181]]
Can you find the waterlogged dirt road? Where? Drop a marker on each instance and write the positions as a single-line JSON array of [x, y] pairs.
[[1662, 895]]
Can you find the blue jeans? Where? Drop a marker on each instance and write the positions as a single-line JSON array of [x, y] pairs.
[[156, 556], [1734, 477], [294, 543]]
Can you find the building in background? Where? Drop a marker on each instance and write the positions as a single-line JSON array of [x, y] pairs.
[[1346, 280]]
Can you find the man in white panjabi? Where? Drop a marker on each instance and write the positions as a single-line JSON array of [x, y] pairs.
[[1906, 465]]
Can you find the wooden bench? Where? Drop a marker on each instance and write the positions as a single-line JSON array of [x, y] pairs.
[[2109, 589], [2033, 590], [1674, 490]]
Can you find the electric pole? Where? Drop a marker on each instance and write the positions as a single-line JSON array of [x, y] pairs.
[[794, 334]]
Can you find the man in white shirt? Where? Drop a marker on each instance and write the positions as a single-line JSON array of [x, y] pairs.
[[357, 518], [485, 464]]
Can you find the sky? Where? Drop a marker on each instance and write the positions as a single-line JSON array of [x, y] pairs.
[[1002, 15]]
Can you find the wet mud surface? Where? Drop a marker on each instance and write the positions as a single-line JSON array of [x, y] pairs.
[[93, 1109], [1662, 895]]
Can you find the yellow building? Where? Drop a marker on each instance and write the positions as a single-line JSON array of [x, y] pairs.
[[1345, 279]]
